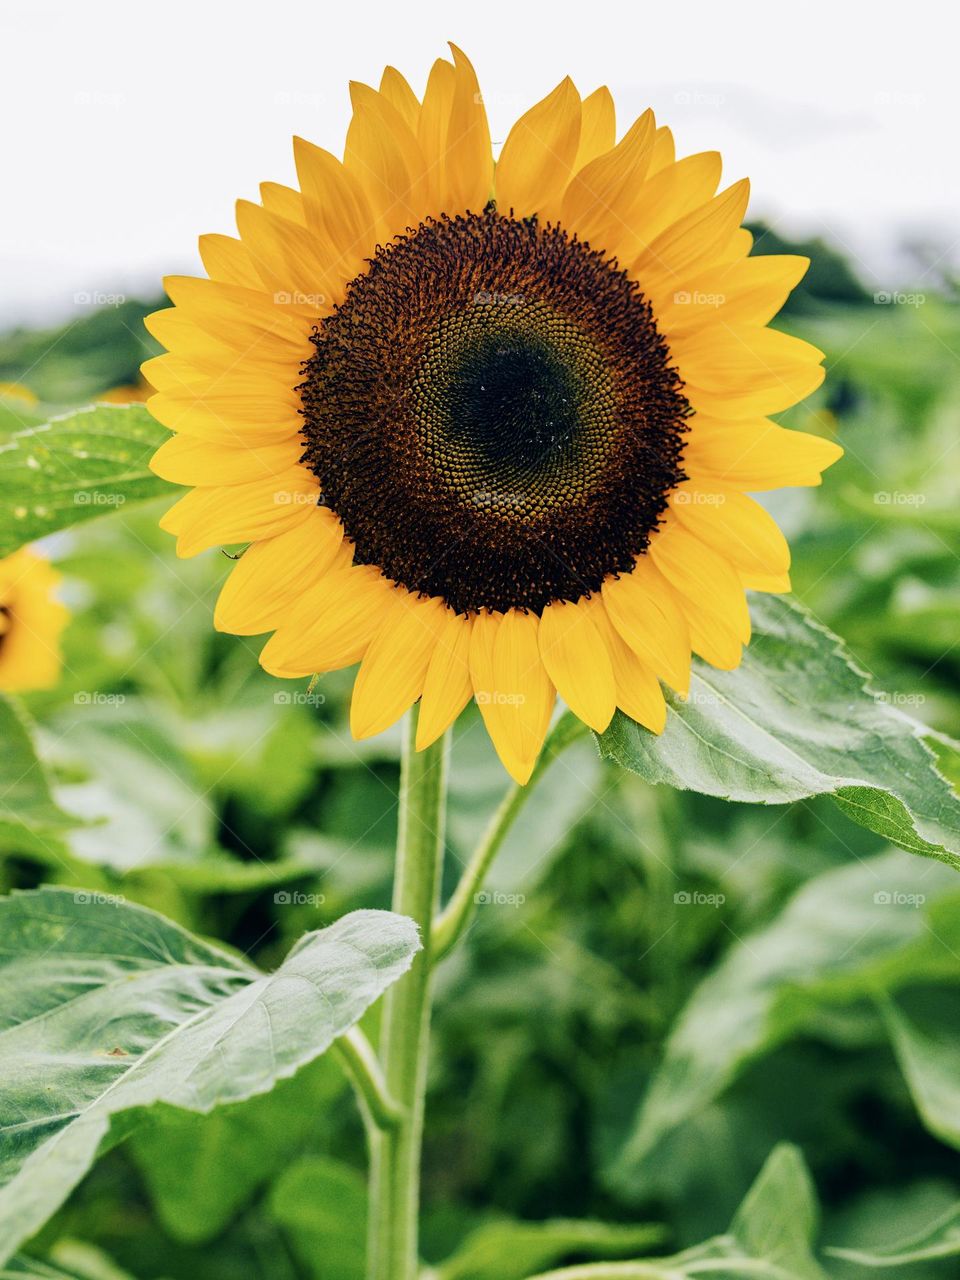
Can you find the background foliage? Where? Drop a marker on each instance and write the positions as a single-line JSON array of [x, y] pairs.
[[662, 989]]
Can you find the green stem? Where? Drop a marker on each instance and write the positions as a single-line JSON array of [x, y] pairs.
[[451, 924], [395, 1152], [362, 1068]]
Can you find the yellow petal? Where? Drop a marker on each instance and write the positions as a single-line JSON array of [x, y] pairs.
[[332, 624], [734, 525], [748, 292], [663, 200], [394, 667], [241, 318], [237, 420], [646, 613], [336, 206], [755, 455], [294, 263], [701, 574], [383, 154], [526, 694], [398, 93], [638, 690], [185, 459], [447, 687], [774, 583], [226, 259], [598, 127], [771, 395], [664, 151], [433, 127], [468, 156], [538, 155], [598, 200], [695, 240], [221, 516], [271, 576], [725, 361], [711, 637], [512, 688], [283, 201], [577, 662]]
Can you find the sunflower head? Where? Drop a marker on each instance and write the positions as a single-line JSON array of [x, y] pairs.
[[488, 427], [30, 623]]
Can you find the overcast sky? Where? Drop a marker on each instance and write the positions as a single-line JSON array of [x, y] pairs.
[[130, 128]]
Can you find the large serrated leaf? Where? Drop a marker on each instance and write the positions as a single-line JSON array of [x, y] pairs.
[[797, 720], [84, 464], [108, 1008]]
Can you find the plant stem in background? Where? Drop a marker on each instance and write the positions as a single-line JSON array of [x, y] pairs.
[[453, 920], [395, 1151]]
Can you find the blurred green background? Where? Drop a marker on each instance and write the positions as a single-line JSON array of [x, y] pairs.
[[756, 974]]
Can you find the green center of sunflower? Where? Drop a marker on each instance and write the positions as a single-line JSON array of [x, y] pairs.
[[492, 414]]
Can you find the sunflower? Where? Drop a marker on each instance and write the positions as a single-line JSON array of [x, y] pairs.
[[488, 428], [30, 623]]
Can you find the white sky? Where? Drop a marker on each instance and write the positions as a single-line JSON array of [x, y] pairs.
[[130, 128]]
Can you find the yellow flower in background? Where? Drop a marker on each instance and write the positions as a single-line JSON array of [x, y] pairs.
[[30, 623], [130, 393], [488, 427], [17, 391]]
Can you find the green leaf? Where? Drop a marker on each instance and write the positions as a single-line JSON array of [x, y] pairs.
[[322, 1204], [845, 935], [796, 720], [30, 819], [778, 1219], [931, 1067], [84, 464], [23, 1268], [108, 1008], [941, 1239], [509, 1250], [770, 1238], [202, 1169]]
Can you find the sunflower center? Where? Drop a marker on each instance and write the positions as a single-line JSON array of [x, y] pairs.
[[492, 414]]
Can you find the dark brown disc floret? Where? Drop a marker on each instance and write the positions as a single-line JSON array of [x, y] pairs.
[[493, 415]]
